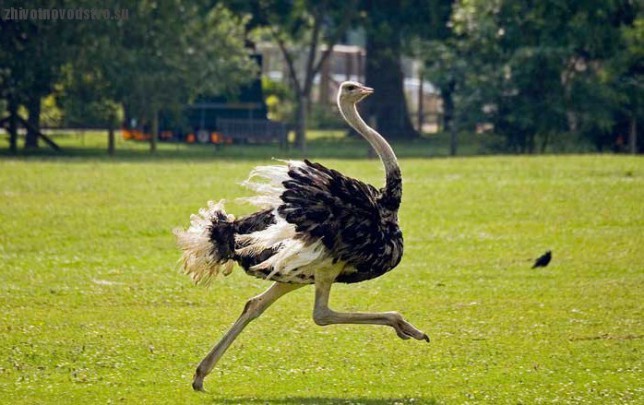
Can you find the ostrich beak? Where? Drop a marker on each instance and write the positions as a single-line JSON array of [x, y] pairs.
[[366, 90]]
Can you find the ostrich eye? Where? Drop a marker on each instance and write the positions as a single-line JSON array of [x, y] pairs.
[[351, 87]]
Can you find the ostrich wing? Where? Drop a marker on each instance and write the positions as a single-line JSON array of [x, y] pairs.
[[345, 215]]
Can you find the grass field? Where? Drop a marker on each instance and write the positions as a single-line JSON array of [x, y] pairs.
[[93, 309]]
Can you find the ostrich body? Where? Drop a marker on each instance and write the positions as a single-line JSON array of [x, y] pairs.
[[316, 226]]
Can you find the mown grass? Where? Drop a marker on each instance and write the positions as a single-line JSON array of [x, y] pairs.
[[93, 309]]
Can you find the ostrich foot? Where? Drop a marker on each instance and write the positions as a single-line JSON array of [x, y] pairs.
[[197, 382], [405, 330]]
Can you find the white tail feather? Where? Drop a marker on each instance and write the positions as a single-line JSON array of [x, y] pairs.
[[269, 237], [269, 188], [201, 259]]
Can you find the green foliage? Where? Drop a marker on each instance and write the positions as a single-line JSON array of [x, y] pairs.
[[86, 100], [33, 52], [536, 69], [167, 54], [51, 115], [161, 57], [624, 75], [324, 117], [94, 310], [280, 100]]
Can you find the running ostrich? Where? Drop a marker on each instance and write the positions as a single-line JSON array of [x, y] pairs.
[[316, 226]]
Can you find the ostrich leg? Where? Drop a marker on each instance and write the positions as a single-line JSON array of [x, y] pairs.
[[253, 309], [323, 315]]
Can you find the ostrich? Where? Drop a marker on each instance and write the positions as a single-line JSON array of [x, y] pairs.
[[315, 226]]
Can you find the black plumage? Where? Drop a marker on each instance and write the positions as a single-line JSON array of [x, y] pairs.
[[346, 215], [258, 221], [323, 204], [543, 260]]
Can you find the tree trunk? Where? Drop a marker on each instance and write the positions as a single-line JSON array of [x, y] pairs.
[[384, 74], [325, 80], [449, 123], [33, 106], [530, 143], [544, 144], [453, 140], [110, 136], [13, 125], [421, 104], [300, 122], [154, 136], [632, 138]]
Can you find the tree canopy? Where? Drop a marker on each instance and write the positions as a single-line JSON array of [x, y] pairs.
[[162, 56], [526, 70], [535, 69]]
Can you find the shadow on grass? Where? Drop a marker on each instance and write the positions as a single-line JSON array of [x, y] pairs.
[[328, 400]]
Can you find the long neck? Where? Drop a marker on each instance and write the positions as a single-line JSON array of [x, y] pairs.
[[387, 156]]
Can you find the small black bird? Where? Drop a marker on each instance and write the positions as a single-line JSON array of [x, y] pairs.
[[543, 260]]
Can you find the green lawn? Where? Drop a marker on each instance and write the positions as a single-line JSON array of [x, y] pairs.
[[93, 309]]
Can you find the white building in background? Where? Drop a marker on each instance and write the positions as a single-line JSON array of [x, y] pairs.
[[347, 62]]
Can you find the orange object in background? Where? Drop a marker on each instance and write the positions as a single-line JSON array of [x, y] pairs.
[[218, 138], [138, 135], [127, 134], [135, 134]]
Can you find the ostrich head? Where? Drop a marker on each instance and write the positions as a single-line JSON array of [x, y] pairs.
[[353, 92]]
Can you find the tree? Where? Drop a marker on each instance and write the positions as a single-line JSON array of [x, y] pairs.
[[625, 73], [538, 68], [389, 26], [32, 55], [162, 56], [304, 27], [446, 68], [300, 27], [166, 55]]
